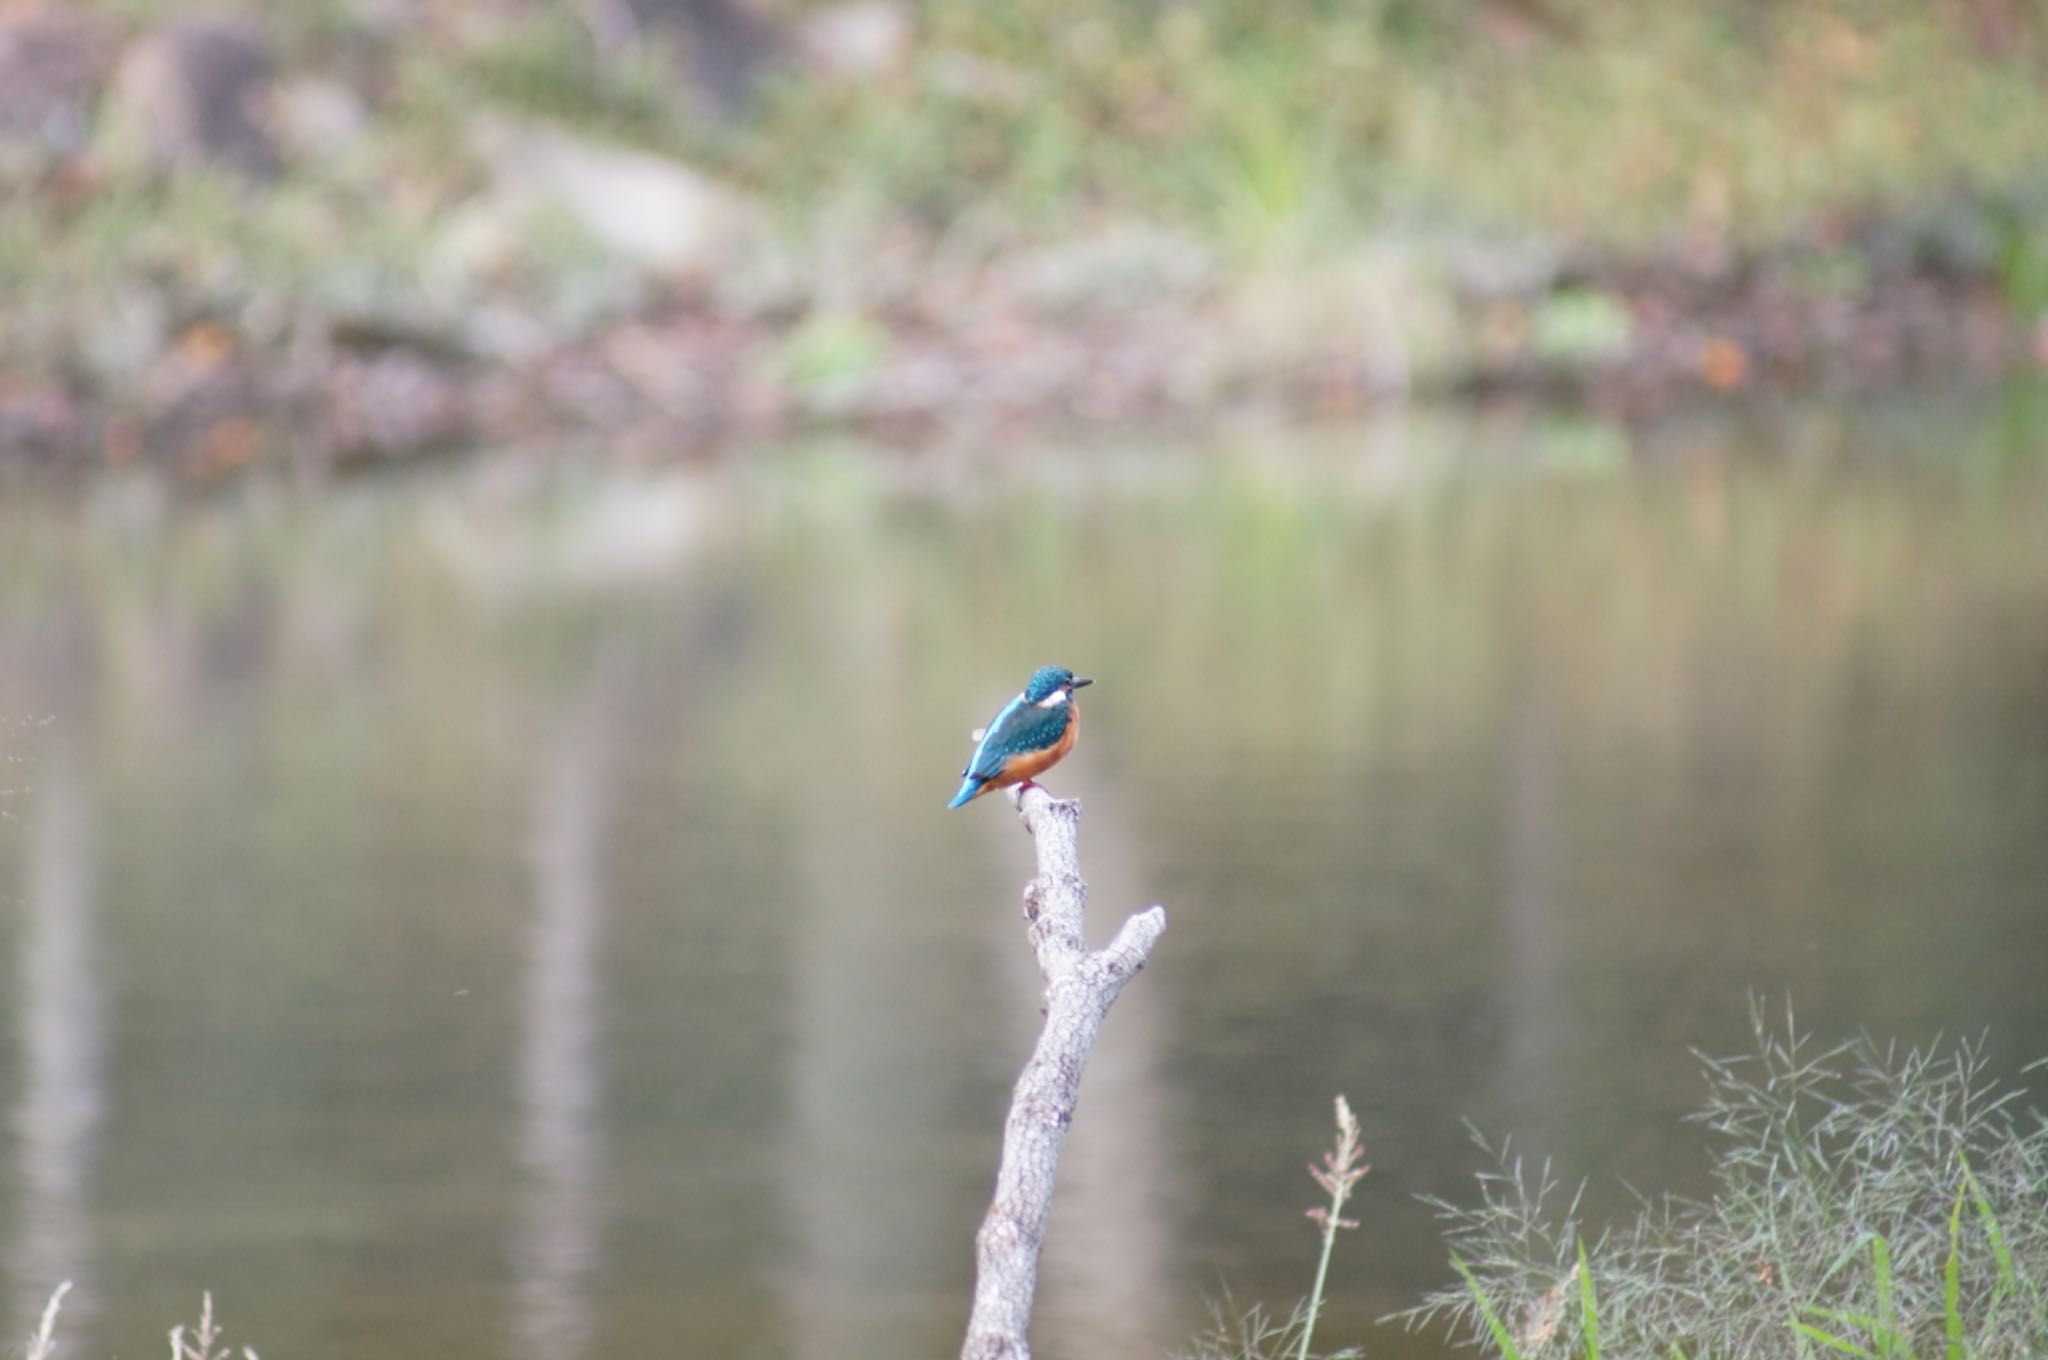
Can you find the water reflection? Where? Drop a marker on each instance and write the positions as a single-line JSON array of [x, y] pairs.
[[859, 1168], [62, 991], [557, 1245], [1532, 1015]]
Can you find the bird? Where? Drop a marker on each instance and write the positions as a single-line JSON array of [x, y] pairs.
[[1028, 737]]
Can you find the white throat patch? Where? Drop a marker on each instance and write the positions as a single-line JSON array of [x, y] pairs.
[[1052, 700]]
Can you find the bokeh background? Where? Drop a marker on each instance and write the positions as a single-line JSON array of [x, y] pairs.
[[347, 230], [509, 512]]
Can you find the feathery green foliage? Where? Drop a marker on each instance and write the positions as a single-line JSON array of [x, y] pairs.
[[1837, 1223]]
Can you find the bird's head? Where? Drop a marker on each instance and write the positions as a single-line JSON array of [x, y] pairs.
[[1052, 685]]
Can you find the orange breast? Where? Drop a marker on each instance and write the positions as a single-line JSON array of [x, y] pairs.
[[1032, 764]]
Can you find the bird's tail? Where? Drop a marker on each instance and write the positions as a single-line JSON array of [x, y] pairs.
[[970, 787]]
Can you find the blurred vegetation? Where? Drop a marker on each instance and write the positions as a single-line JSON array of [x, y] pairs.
[[1391, 192], [1266, 125], [1869, 1201]]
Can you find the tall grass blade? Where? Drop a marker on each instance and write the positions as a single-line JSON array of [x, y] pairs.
[[2008, 1274], [1338, 1173], [1890, 1344], [1831, 1341], [1501, 1336], [1589, 1312], [1952, 1284], [42, 1345]]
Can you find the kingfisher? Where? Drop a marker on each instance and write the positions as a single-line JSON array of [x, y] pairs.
[[1028, 737]]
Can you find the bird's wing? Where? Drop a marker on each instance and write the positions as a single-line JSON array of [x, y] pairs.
[[1019, 727], [982, 763]]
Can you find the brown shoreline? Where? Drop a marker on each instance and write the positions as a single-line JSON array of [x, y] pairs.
[[683, 381]]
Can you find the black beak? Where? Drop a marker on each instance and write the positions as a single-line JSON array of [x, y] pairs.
[[1079, 681]]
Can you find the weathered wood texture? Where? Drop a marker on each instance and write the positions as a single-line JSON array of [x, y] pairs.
[[1079, 989]]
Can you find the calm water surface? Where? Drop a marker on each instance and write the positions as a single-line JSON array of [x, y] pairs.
[[512, 912]]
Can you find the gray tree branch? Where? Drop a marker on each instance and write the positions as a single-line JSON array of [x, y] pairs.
[[1079, 989]]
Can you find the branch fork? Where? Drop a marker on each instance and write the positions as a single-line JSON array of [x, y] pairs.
[[1080, 986]]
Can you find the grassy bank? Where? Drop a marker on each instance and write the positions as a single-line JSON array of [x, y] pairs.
[[1048, 209], [1869, 1200]]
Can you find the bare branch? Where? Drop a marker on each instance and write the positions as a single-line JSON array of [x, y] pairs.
[[1079, 989]]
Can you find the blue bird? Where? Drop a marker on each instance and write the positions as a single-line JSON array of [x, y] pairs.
[[1029, 737]]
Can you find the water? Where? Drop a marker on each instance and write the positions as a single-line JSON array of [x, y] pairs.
[[511, 911]]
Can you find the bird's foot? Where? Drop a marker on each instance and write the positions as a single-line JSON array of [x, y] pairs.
[[1017, 792]]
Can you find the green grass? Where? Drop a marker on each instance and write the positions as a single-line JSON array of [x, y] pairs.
[[1869, 1202], [1255, 1334]]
